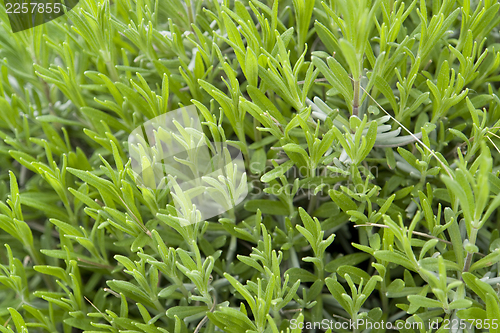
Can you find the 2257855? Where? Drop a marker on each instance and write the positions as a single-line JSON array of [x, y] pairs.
[[33, 7]]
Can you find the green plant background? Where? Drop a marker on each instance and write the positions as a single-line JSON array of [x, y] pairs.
[[352, 215]]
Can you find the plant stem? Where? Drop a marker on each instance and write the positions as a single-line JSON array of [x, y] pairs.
[[231, 251], [258, 135], [190, 14], [355, 99], [38, 260], [472, 240], [312, 205], [232, 244], [194, 247]]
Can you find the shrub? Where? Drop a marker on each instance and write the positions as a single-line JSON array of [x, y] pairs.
[[368, 131]]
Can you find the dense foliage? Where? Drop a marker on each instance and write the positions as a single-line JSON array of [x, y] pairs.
[[369, 134]]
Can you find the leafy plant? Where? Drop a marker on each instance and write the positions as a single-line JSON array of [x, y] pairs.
[[369, 136]]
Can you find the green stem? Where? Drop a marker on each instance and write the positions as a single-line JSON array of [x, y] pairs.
[[256, 132], [312, 205], [240, 133], [107, 55], [182, 287], [158, 305], [472, 240], [190, 14], [231, 251], [37, 259], [293, 258], [194, 247], [383, 295], [112, 71], [355, 99], [232, 243]]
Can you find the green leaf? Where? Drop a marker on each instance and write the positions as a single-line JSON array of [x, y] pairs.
[[258, 161], [58, 272], [186, 311], [242, 290], [18, 320], [337, 291], [97, 116], [474, 313], [295, 148], [355, 273], [351, 57], [231, 320], [342, 200], [337, 76], [349, 259], [487, 261], [424, 302], [267, 207], [492, 311], [395, 258], [371, 136], [277, 171], [301, 274]]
